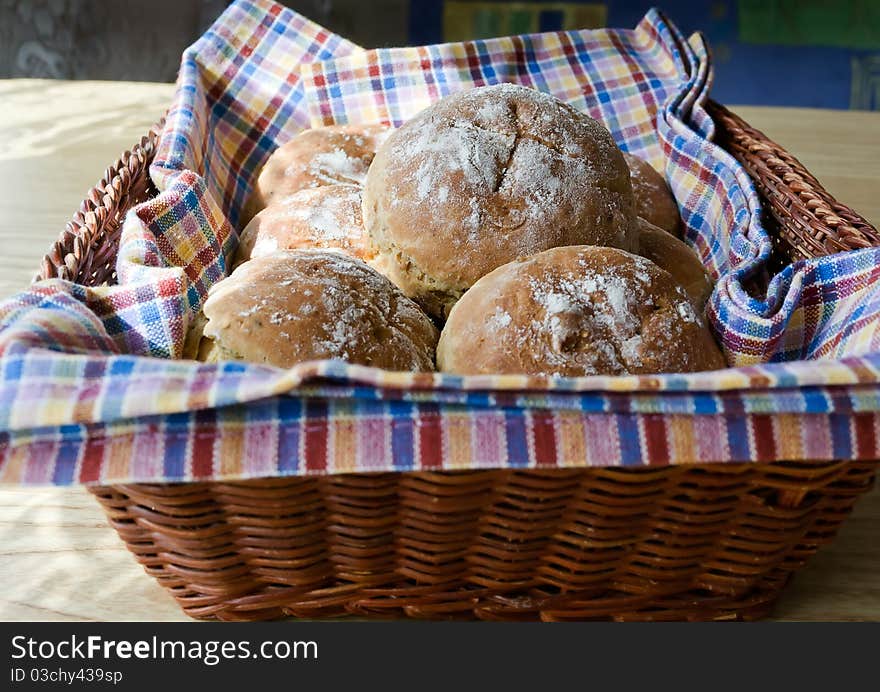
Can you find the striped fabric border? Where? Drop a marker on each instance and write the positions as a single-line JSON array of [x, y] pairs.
[[295, 436]]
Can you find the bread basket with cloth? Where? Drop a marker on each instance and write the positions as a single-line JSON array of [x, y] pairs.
[[254, 492]]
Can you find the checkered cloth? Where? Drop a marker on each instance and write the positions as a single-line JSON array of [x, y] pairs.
[[92, 391]]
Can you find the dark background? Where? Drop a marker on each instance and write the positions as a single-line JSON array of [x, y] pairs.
[[769, 52]]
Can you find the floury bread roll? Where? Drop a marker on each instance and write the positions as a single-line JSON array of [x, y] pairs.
[[488, 175], [289, 307], [313, 158], [654, 200], [676, 257], [321, 217], [576, 311]]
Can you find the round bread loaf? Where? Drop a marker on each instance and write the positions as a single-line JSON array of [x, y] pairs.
[[313, 158], [299, 305], [575, 311], [488, 175], [676, 257], [653, 198], [321, 217]]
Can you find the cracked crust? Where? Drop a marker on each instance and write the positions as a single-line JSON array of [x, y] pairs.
[[575, 311], [293, 306], [487, 176]]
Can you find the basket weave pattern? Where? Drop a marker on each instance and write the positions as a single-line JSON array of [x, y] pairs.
[[710, 541], [811, 223], [644, 544]]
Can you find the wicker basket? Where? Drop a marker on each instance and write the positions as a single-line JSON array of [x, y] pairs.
[[711, 541]]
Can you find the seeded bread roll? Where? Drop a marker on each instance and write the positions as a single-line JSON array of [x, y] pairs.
[[321, 217], [488, 175], [654, 200], [314, 158], [293, 306], [676, 257], [576, 311]]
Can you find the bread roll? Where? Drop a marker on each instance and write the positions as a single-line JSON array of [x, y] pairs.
[[321, 217], [293, 306], [676, 257], [654, 200], [314, 158], [575, 311], [488, 175]]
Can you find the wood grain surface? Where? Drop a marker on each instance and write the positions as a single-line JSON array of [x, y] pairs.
[[59, 560]]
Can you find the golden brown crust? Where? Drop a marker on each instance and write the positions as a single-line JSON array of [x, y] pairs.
[[293, 306], [653, 198], [575, 311], [322, 217], [676, 257], [489, 175], [313, 158]]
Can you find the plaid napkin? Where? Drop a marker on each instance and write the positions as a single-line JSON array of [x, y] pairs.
[[92, 393]]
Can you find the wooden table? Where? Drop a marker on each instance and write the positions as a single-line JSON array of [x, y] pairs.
[[59, 560]]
